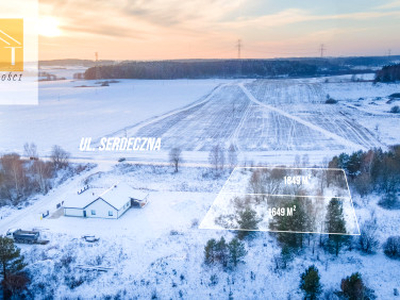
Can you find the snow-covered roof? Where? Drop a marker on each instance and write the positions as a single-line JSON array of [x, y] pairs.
[[76, 200], [117, 196], [120, 193]]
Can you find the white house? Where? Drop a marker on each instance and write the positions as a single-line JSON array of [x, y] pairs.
[[97, 203]]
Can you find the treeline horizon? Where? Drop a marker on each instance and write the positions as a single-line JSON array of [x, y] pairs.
[[229, 68], [225, 68]]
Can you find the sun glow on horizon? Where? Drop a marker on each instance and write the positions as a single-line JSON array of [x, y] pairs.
[[48, 27]]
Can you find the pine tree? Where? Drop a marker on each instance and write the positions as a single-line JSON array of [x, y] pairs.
[[209, 251], [286, 256], [336, 225], [221, 252], [300, 221], [353, 288], [216, 252], [11, 265], [354, 163], [236, 252], [248, 222], [310, 283]]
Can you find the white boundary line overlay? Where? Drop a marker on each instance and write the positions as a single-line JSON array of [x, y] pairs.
[[349, 198]]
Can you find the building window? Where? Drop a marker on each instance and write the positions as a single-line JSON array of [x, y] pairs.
[[110, 213], [93, 212]]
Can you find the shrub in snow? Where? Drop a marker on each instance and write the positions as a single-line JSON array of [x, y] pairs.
[[154, 295], [368, 241], [330, 294], [195, 223], [247, 221], [395, 95], [395, 109], [389, 200], [213, 280], [331, 101], [353, 287], [392, 247], [310, 283]]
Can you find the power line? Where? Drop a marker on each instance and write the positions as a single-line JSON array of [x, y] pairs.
[[239, 47], [96, 55], [321, 50]]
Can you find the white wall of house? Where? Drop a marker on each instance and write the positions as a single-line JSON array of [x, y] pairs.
[[97, 209], [124, 208], [73, 212], [101, 209]]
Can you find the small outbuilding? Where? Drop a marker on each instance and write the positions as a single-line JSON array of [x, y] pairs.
[[98, 203]]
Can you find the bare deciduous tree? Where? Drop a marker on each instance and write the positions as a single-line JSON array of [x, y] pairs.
[[175, 157], [59, 157], [217, 159], [232, 156], [15, 175], [43, 173], [256, 185], [368, 241], [30, 150]]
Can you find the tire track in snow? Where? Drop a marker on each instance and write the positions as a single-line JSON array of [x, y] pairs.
[[327, 133], [133, 130], [235, 136]]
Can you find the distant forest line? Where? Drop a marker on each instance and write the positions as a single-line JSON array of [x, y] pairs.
[[232, 68], [388, 74]]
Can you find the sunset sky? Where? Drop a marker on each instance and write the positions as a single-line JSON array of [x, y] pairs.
[[173, 29]]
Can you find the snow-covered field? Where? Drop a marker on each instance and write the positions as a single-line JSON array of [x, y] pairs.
[[67, 112], [157, 251], [267, 121]]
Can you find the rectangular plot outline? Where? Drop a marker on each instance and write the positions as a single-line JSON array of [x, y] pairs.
[[287, 168]]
